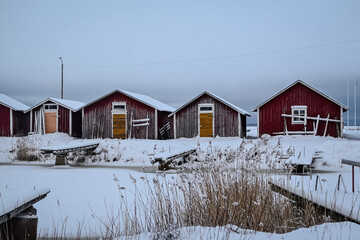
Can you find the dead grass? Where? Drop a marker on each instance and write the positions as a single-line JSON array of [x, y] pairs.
[[215, 197]]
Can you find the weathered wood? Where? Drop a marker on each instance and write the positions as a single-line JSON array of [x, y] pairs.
[[166, 160], [270, 113], [225, 119], [350, 162]]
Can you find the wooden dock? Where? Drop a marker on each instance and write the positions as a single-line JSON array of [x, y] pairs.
[[167, 160], [61, 151], [338, 202], [17, 215]]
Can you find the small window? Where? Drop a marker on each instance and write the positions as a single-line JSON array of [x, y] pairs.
[[205, 109], [299, 114], [119, 106], [51, 107]]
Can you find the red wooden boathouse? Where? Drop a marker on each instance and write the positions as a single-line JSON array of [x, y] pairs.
[[12, 117], [300, 109], [56, 115], [123, 114], [208, 115]]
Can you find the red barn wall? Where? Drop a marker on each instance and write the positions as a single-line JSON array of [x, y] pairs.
[[63, 120], [270, 120], [225, 119], [4, 121], [97, 120]]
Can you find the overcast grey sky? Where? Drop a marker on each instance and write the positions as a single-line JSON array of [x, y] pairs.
[[243, 51]]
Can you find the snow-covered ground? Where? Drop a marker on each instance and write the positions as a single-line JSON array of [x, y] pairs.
[[79, 192]]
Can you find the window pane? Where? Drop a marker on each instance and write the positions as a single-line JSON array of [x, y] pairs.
[[205, 108], [119, 107]]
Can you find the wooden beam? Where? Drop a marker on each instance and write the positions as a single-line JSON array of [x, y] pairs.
[[310, 118], [327, 122], [317, 124], [350, 162]]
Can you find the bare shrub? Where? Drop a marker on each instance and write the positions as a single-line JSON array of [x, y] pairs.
[[26, 150]]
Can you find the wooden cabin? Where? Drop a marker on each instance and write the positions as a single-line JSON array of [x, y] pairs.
[[300, 109], [208, 115], [123, 114], [56, 115], [12, 117]]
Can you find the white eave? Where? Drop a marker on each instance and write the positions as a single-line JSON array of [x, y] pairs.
[[69, 104], [12, 103], [236, 108], [149, 101], [306, 85]]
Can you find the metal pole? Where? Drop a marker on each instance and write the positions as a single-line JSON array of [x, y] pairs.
[[348, 102], [62, 78], [355, 84]]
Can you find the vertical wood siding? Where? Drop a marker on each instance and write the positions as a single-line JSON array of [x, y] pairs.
[[270, 119], [225, 119], [162, 120], [63, 120], [97, 120], [4, 121]]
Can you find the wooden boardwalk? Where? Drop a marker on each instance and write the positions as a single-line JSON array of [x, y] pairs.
[[335, 200], [61, 151]]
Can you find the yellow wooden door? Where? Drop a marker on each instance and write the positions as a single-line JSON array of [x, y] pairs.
[[50, 122], [206, 125], [119, 126]]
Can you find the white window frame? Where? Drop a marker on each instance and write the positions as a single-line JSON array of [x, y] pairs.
[[51, 110], [113, 110], [206, 111], [295, 111]]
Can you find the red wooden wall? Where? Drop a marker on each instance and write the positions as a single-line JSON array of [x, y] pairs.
[[270, 119], [225, 119], [63, 120], [4, 121], [97, 121]]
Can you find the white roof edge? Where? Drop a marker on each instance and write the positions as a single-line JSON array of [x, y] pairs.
[[236, 108], [133, 95], [55, 100], [306, 85]]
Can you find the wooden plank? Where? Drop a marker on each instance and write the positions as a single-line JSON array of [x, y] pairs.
[[50, 122], [119, 126], [312, 118], [206, 125], [350, 162], [317, 125], [327, 122]]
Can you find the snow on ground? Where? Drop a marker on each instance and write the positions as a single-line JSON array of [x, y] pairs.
[[78, 192], [343, 230]]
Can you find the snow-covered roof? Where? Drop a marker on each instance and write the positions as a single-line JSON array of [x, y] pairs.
[[236, 108], [70, 104], [141, 98], [306, 85], [12, 103]]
